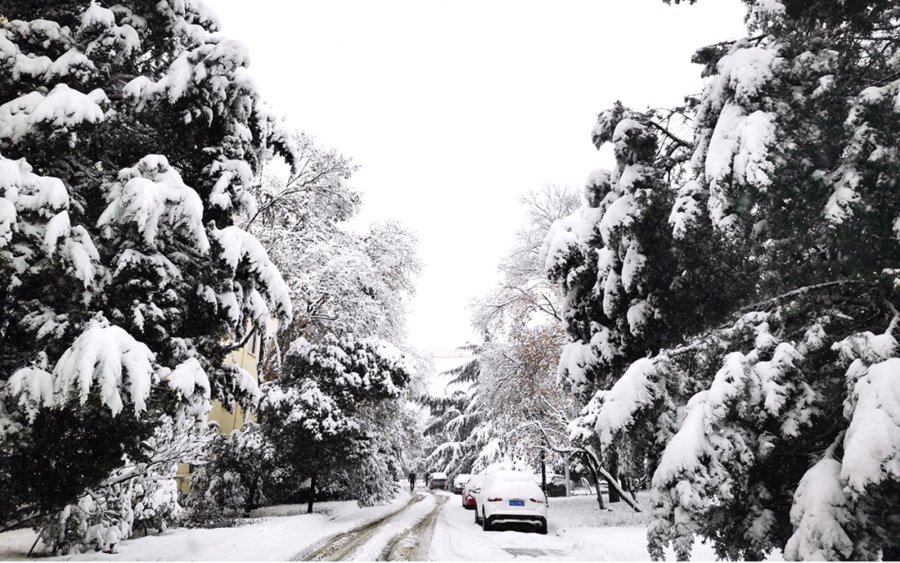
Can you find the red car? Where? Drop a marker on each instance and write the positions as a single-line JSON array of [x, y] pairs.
[[472, 487]]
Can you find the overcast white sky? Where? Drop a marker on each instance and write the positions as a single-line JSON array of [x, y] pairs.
[[453, 109]]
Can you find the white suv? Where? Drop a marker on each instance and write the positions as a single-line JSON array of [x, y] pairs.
[[511, 496]]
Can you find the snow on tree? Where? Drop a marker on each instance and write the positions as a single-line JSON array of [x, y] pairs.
[[232, 477], [819, 515], [457, 430], [317, 417], [502, 413], [130, 137], [762, 403], [340, 281], [134, 499], [341, 285], [463, 433]]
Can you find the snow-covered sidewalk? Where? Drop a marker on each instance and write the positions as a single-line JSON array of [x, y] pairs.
[[272, 537]]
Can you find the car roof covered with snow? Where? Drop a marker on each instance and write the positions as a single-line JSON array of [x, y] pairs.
[[505, 486]]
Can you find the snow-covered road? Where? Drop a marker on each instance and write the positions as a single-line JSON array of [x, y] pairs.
[[426, 526], [435, 526], [400, 536], [457, 537]]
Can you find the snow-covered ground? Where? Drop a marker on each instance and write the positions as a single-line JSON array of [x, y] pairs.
[[281, 533], [404, 521], [578, 530]]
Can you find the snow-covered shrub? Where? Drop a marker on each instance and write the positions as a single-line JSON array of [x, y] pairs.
[[321, 414], [233, 478], [139, 498]]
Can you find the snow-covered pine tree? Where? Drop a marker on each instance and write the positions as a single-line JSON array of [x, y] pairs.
[[318, 415], [459, 434], [616, 264], [777, 412], [129, 134]]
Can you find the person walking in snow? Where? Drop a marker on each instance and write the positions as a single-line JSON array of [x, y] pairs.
[[412, 480]]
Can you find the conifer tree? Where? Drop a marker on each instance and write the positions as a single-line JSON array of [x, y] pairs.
[[767, 409], [129, 136]]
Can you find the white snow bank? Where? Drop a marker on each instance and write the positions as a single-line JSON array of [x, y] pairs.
[[578, 531]]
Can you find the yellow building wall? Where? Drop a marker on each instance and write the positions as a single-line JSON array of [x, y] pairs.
[[229, 419]]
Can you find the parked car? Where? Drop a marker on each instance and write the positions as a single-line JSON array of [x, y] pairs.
[[459, 482], [511, 496], [437, 480], [556, 486], [471, 488]]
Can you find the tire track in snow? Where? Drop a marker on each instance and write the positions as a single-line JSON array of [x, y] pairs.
[[379, 541], [414, 544], [336, 547], [367, 542]]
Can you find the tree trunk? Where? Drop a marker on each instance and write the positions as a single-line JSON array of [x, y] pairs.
[[614, 484], [624, 496], [312, 494], [251, 496], [590, 465], [614, 495]]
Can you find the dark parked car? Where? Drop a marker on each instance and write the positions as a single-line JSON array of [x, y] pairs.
[[437, 480], [459, 482], [556, 486]]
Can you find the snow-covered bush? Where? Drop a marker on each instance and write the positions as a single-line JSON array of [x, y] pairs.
[[321, 414], [136, 499], [233, 478]]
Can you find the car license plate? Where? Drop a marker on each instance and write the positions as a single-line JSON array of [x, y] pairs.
[[516, 502]]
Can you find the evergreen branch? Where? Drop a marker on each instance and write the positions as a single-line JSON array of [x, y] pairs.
[[669, 134], [796, 292]]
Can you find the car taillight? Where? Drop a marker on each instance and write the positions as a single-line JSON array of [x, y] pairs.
[[495, 499]]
